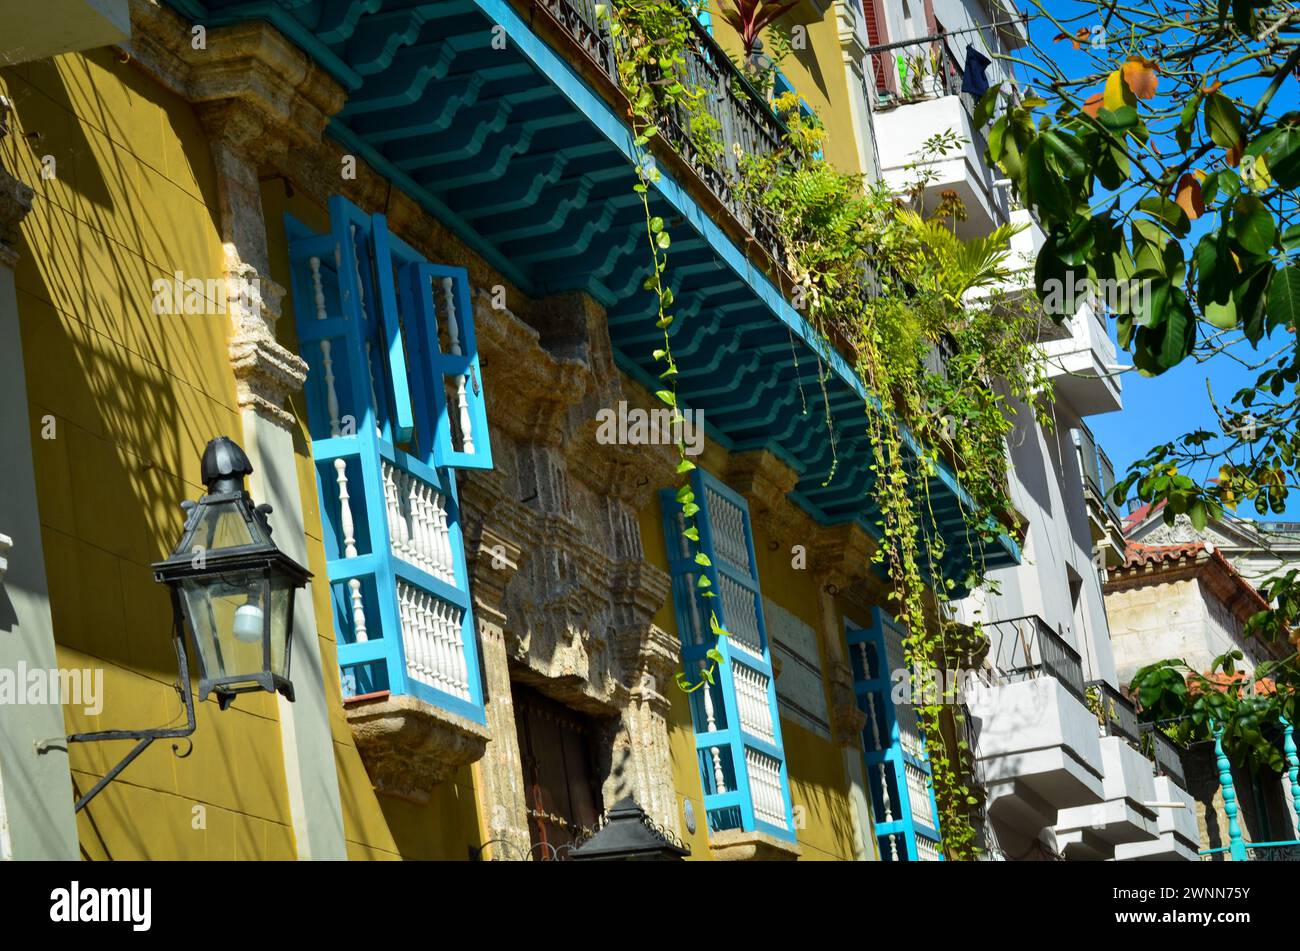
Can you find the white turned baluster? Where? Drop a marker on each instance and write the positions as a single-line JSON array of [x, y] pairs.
[[392, 506], [430, 528], [419, 523], [441, 545], [444, 536], [719, 778], [453, 338], [455, 621], [446, 661], [424, 647], [350, 550], [408, 630], [331, 394]]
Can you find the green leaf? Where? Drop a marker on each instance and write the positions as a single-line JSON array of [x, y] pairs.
[[656, 224], [1167, 211], [1284, 298], [685, 466], [692, 533], [1187, 122], [703, 559], [1068, 152], [1045, 188], [1252, 225], [1284, 152], [1223, 316], [667, 397], [1118, 120], [984, 108], [1222, 123], [662, 239]]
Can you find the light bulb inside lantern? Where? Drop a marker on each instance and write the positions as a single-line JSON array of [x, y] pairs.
[[248, 623]]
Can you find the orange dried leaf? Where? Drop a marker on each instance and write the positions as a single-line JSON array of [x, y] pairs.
[[1213, 87], [1093, 104], [1142, 76], [1188, 196]]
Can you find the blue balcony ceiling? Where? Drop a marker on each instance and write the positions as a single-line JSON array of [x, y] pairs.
[[508, 145]]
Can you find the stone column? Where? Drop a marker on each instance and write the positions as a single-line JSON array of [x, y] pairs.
[[266, 373], [36, 819], [493, 561], [641, 757]]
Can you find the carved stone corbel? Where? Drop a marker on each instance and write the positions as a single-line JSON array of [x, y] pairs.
[[407, 748]]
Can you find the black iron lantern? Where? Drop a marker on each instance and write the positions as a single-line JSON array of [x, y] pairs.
[[627, 834], [233, 586]]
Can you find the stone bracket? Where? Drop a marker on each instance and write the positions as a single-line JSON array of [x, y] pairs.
[[733, 845], [410, 746]]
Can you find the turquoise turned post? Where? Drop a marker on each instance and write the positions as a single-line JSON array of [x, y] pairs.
[[1236, 847], [1293, 767]]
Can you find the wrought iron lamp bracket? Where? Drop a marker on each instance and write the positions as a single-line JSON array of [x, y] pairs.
[[144, 738]]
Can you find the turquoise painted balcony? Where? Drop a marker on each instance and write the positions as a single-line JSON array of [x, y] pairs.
[[505, 121]]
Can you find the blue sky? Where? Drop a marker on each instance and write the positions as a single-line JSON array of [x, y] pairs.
[[1159, 409]]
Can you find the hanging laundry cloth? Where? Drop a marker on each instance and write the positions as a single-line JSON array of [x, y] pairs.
[[973, 79]]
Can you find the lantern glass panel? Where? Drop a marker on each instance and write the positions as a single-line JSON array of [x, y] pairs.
[[227, 614], [221, 526], [282, 591]]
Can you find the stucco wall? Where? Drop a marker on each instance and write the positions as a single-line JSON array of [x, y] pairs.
[[133, 397]]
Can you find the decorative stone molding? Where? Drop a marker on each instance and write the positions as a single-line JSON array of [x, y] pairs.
[[847, 718], [15, 203], [266, 373], [733, 845], [409, 746], [290, 99], [851, 27]]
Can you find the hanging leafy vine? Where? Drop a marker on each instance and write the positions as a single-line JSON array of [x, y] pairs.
[[933, 293]]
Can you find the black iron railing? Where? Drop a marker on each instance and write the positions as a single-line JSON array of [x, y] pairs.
[[1025, 647], [1116, 713], [1167, 754], [1098, 472], [745, 120]]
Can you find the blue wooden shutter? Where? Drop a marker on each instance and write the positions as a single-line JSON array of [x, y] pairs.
[[398, 578], [447, 315], [898, 769], [737, 727]]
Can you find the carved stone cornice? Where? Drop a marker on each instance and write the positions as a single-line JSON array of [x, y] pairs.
[[290, 99], [15, 203], [409, 746], [544, 386], [765, 482], [841, 556]]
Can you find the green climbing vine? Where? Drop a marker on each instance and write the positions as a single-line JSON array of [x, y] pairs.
[[889, 286]]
